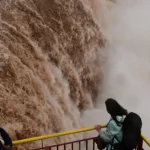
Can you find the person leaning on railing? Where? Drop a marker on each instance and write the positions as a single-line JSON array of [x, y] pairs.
[[114, 126], [6, 142]]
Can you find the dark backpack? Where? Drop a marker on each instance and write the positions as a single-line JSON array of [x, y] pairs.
[[131, 132]]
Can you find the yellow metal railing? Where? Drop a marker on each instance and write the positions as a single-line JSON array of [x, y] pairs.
[[54, 135], [145, 140], [65, 133]]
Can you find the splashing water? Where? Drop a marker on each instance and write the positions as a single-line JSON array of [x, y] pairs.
[[127, 71]]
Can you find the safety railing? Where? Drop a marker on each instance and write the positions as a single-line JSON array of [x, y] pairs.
[[72, 143], [79, 142]]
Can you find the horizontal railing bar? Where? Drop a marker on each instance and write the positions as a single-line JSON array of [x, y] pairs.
[[54, 135]]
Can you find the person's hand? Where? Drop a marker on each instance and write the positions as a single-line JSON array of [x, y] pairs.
[[98, 128]]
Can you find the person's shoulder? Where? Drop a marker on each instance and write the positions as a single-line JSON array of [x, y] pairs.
[[112, 122], [113, 125]]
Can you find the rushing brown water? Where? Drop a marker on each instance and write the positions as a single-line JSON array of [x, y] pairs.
[[59, 57], [49, 65]]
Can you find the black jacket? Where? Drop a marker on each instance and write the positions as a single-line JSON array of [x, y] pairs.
[[6, 138]]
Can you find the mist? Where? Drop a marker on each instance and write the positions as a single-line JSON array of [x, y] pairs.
[[126, 69]]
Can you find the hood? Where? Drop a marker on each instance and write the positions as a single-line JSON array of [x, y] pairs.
[[120, 118]]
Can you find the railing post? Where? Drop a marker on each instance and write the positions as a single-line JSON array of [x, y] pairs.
[[86, 144], [140, 144], [93, 144], [42, 144], [79, 145], [72, 146]]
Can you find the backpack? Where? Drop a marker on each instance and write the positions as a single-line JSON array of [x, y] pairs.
[[131, 132]]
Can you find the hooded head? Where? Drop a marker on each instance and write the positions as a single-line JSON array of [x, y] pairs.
[[114, 109]]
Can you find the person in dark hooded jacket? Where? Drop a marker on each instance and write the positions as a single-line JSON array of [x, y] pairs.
[[7, 140], [113, 133]]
